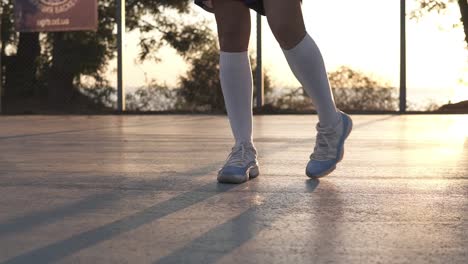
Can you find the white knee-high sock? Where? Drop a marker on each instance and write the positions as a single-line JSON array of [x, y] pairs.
[[306, 62], [236, 83]]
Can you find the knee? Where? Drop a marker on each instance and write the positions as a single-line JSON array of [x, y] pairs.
[[234, 37], [287, 34], [233, 40]]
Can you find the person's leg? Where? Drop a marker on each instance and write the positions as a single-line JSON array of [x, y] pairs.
[[303, 55], [233, 21], [306, 62]]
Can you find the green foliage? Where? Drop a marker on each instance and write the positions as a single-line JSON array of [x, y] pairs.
[[426, 6], [200, 89], [88, 53], [104, 95], [153, 98], [7, 17], [353, 90], [366, 99], [293, 100]]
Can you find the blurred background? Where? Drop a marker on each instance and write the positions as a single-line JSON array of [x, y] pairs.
[[171, 59]]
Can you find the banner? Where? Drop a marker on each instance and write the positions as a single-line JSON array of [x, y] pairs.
[[55, 15]]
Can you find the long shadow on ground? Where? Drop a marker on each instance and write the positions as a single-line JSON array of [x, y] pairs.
[[64, 248]]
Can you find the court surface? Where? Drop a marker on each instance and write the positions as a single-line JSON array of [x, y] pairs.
[[142, 189]]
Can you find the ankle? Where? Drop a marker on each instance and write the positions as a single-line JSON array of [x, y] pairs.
[[331, 124], [244, 142]]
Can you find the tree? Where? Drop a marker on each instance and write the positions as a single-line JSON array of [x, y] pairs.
[[21, 66], [438, 6], [353, 91], [201, 87], [66, 56], [426, 6]]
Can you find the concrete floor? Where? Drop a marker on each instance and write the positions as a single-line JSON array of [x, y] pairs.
[[142, 189]]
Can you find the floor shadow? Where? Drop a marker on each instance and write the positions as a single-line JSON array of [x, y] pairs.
[[61, 249], [233, 233], [95, 202], [29, 221], [329, 217]]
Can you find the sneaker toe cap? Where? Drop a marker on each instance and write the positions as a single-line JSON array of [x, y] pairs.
[[316, 168], [230, 174], [231, 170]]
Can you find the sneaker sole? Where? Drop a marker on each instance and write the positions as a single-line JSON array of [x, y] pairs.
[[252, 173], [348, 131]]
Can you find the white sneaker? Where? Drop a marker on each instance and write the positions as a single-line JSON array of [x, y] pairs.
[[241, 165], [329, 147]]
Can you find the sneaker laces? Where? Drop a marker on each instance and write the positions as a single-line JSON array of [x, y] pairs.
[[238, 156], [322, 143]]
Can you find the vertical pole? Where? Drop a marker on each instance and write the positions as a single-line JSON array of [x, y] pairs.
[[402, 56], [1, 66], [120, 42], [259, 72]]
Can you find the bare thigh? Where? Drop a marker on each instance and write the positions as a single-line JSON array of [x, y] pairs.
[[233, 21], [286, 21]]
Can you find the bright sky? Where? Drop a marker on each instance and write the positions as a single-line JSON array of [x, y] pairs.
[[362, 34]]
